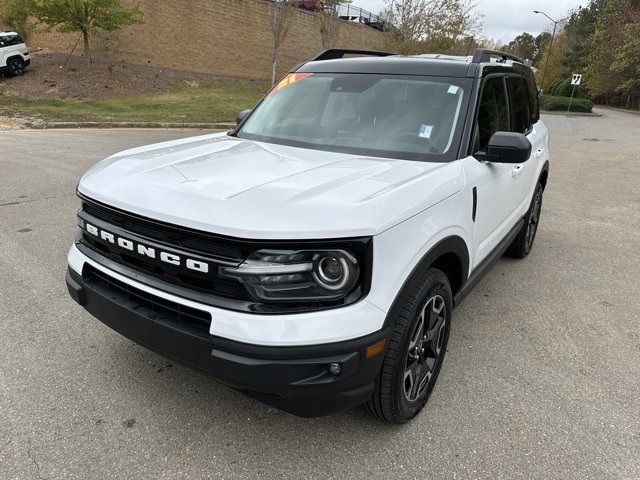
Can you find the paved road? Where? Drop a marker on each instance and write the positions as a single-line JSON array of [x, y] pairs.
[[542, 377]]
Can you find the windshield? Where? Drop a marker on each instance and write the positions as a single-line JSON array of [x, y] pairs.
[[393, 116]]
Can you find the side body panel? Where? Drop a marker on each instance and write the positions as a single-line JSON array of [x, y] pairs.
[[400, 249], [499, 204], [539, 138], [15, 50]]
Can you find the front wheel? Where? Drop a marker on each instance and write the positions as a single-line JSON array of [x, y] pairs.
[[522, 244], [16, 67], [416, 350]]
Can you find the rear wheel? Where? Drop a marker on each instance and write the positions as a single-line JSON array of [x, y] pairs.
[[521, 245], [416, 350], [16, 67]]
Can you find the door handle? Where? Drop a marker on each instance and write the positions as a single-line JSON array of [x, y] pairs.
[[516, 170]]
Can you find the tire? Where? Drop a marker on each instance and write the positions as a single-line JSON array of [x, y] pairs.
[[522, 244], [402, 390], [15, 66]]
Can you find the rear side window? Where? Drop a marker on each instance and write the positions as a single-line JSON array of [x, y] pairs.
[[519, 101], [532, 91], [493, 114], [9, 41]]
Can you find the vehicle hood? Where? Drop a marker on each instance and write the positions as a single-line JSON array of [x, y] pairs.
[[230, 186]]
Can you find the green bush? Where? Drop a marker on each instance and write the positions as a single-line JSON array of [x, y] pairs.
[[563, 88], [549, 102]]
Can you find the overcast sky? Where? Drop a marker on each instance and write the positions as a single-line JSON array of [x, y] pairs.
[[504, 19]]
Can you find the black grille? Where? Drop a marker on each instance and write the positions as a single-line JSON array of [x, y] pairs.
[[177, 237], [212, 283], [150, 306], [186, 241]]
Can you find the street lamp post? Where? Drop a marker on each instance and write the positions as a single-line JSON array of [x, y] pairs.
[[546, 63]]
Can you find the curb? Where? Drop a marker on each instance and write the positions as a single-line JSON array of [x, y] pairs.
[[41, 125], [616, 109]]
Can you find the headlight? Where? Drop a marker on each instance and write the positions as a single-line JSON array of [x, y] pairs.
[[297, 275]]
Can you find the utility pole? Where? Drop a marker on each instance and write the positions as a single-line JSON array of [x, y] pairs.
[[546, 63]]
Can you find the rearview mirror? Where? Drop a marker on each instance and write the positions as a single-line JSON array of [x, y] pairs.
[[507, 147], [242, 115]]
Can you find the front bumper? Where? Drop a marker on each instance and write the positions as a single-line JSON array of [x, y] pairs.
[[293, 378]]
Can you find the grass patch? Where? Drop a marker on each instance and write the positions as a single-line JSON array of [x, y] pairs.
[[204, 102], [551, 103]]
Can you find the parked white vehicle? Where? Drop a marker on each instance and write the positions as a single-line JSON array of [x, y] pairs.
[[313, 257], [14, 54]]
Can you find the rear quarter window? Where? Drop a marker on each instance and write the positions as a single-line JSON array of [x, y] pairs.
[[519, 101], [532, 93]]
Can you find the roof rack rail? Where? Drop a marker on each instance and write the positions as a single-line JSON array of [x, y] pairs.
[[485, 55], [335, 53]]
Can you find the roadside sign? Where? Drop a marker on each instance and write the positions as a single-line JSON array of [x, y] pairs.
[[576, 78]]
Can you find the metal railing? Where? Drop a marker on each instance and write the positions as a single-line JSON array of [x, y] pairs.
[[345, 12], [359, 15]]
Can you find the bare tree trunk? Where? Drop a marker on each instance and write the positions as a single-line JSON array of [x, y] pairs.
[[71, 52], [328, 24], [273, 67], [280, 18], [87, 48]]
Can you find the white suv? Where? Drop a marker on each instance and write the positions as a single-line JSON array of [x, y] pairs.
[[14, 54], [312, 257]]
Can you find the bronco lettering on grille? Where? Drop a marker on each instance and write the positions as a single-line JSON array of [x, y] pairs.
[[147, 250]]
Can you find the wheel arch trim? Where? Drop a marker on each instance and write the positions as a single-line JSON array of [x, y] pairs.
[[451, 245], [544, 174], [17, 56]]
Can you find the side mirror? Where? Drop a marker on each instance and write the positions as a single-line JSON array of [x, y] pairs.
[[507, 147], [242, 115]]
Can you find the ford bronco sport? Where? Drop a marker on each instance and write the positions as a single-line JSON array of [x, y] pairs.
[[313, 256], [14, 54]]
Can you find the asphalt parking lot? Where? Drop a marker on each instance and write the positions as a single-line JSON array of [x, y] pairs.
[[541, 379]]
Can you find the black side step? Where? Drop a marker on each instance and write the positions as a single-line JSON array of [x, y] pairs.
[[487, 263]]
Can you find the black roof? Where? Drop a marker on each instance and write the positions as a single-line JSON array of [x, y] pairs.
[[390, 65], [428, 65]]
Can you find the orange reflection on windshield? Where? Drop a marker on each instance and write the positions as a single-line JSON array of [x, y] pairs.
[[290, 79]]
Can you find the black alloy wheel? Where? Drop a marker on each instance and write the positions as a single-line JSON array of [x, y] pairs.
[[416, 348], [425, 346], [16, 67]]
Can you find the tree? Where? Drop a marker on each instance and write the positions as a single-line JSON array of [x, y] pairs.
[[554, 69], [15, 14], [541, 42], [601, 41], [524, 46], [431, 25], [579, 28], [329, 23], [88, 17], [605, 40], [627, 63], [281, 11]]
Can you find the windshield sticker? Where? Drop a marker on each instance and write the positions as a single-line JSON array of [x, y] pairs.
[[453, 89], [290, 79], [425, 131]]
